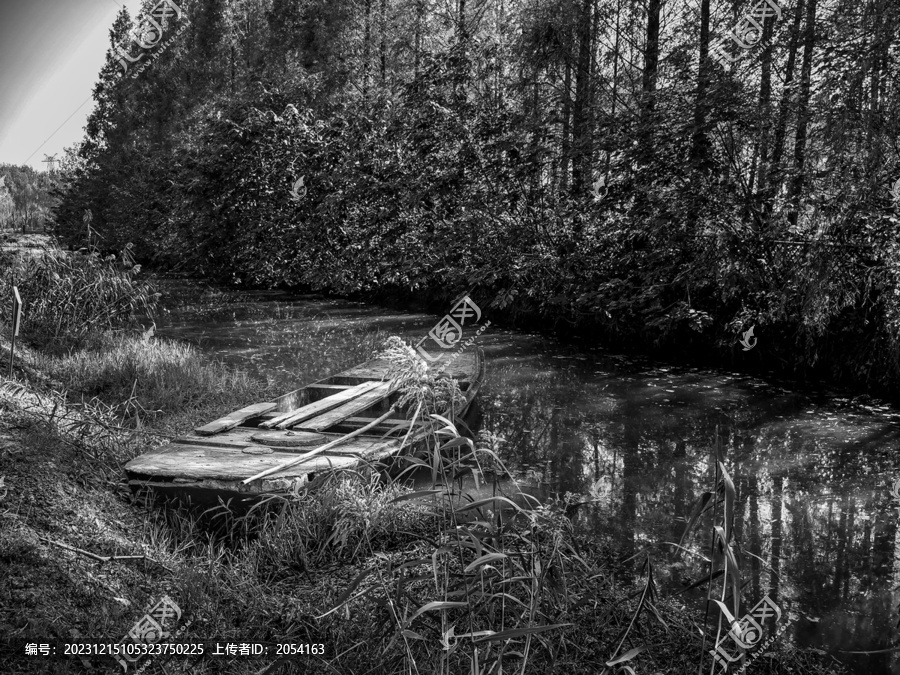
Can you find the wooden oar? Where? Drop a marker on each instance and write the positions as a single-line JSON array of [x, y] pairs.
[[321, 449]]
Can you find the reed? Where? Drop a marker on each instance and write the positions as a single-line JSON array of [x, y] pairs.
[[72, 298]]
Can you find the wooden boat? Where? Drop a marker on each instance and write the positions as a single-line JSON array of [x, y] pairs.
[[216, 460]]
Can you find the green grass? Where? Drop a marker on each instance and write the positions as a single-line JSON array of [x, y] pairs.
[[164, 383]]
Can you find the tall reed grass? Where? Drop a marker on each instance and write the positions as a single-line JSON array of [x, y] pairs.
[[70, 299]]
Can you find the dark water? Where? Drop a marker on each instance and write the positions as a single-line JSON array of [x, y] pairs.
[[815, 515]]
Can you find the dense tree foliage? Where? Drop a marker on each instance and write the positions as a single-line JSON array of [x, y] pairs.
[[26, 197], [586, 162]]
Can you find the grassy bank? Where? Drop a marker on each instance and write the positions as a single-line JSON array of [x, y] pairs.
[[387, 580]]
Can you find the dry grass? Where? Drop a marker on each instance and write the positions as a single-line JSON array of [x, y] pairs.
[[168, 385]]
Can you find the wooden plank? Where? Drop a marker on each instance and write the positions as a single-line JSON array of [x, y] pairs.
[[373, 449], [201, 462], [349, 409], [390, 422], [233, 438], [231, 420], [321, 406]]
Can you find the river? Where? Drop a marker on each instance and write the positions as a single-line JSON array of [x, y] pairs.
[[814, 471]]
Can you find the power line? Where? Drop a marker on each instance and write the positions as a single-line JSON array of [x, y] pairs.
[[58, 128], [73, 112]]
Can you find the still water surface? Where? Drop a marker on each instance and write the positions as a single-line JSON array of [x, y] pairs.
[[813, 471]]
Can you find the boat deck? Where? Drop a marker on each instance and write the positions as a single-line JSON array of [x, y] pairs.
[[217, 457]]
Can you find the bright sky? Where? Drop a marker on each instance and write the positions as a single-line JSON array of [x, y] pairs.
[[50, 54]]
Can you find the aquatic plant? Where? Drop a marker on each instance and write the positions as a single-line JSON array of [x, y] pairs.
[[417, 384], [725, 559]]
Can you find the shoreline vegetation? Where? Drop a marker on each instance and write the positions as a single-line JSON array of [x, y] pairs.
[[728, 202], [579, 167], [390, 580]]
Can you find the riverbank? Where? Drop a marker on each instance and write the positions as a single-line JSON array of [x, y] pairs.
[[274, 578]]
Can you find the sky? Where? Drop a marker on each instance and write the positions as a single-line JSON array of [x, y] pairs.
[[50, 54]]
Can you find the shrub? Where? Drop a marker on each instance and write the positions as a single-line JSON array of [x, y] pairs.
[[70, 299]]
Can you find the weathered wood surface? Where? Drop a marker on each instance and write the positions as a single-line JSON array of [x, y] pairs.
[[201, 462], [233, 438], [320, 406], [288, 439], [208, 466], [349, 409], [231, 420], [390, 422]]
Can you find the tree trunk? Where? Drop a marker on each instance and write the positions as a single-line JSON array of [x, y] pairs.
[[232, 69], [773, 181], [651, 62], [803, 111], [500, 54], [461, 70], [761, 151], [382, 20], [367, 38], [536, 128], [581, 114], [461, 27], [700, 143], [886, 29], [566, 117], [417, 55], [615, 89]]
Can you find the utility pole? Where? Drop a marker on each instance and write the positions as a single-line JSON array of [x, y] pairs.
[[15, 323], [51, 160]]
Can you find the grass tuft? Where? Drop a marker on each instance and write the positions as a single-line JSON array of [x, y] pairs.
[[70, 299], [153, 379]]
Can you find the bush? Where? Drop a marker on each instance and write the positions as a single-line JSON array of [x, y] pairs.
[[69, 300]]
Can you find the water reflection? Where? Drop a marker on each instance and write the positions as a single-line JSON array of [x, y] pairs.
[[815, 517]]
